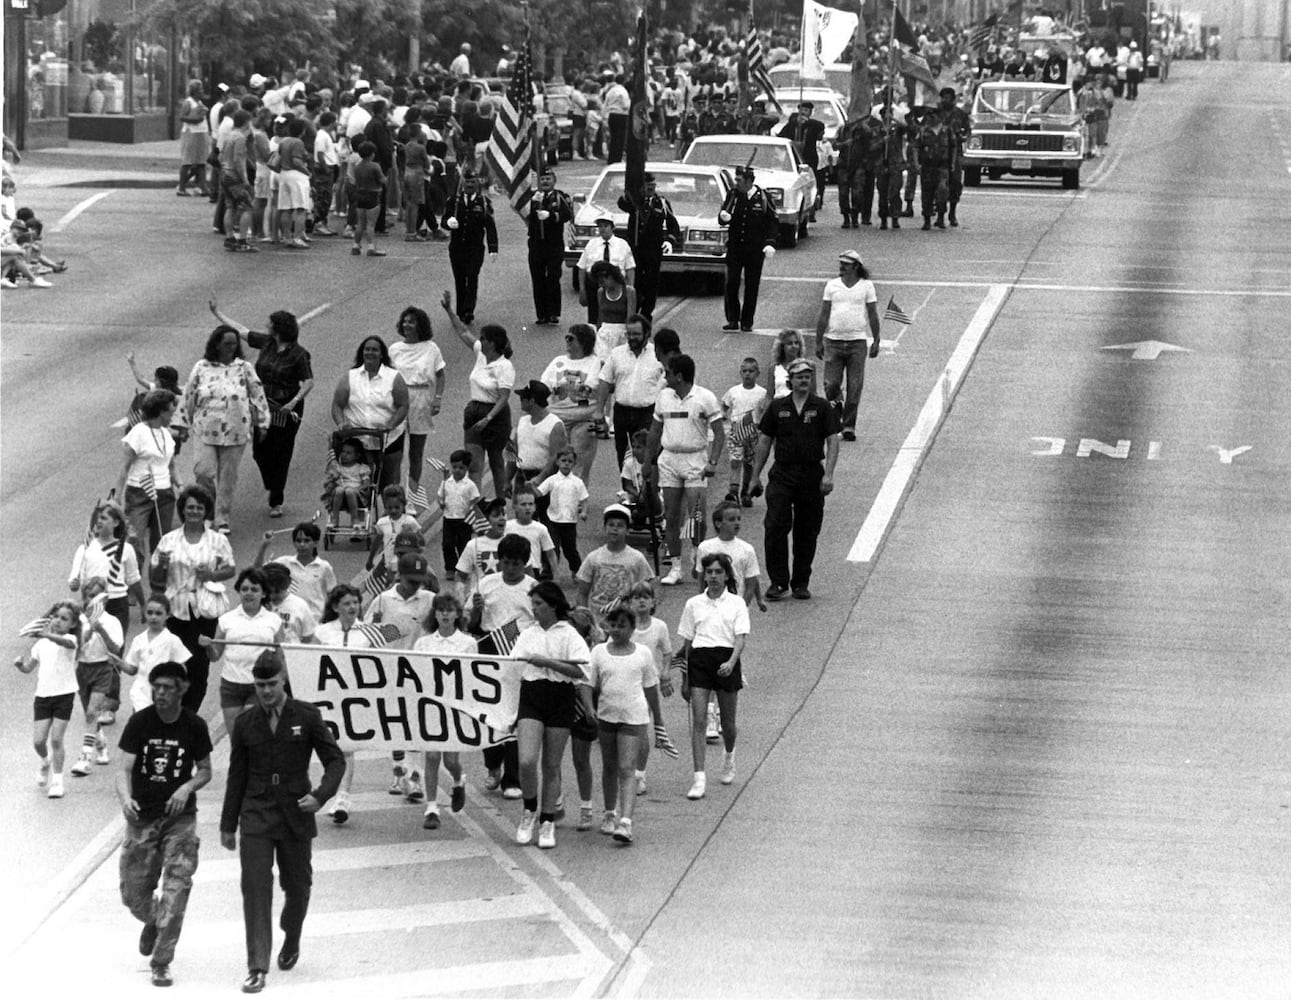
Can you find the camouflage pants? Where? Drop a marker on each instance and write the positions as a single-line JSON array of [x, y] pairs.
[[161, 850], [935, 185]]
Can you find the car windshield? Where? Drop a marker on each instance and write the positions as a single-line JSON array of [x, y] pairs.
[[557, 104], [740, 154], [824, 111], [690, 194], [1023, 100]]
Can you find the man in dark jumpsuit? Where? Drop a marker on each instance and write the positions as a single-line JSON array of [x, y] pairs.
[[269, 796], [549, 212], [959, 125], [804, 429], [650, 222], [470, 222], [750, 219]]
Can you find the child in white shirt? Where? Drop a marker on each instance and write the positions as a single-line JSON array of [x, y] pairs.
[[568, 506], [457, 493], [743, 404], [389, 525]]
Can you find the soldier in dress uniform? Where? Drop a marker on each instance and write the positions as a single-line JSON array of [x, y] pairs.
[[750, 219], [470, 223], [891, 168], [725, 122], [549, 211], [934, 165], [959, 125], [650, 222], [269, 797]]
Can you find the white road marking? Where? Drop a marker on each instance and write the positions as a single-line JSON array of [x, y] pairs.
[[70, 217], [915, 448], [358, 858], [316, 311], [512, 977], [1035, 286]]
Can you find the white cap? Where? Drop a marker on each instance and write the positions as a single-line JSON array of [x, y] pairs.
[[257, 80]]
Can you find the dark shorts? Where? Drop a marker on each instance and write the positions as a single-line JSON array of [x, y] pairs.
[[639, 730], [92, 677], [237, 195], [496, 433], [235, 695], [702, 669], [367, 200], [548, 702], [58, 706]]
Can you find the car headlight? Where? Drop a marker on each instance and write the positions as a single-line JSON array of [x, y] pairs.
[[776, 195], [1070, 144], [705, 235], [588, 231], [974, 142]]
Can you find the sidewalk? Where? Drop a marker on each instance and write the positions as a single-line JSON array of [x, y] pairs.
[[101, 164]]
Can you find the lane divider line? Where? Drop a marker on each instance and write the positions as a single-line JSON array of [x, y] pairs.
[[896, 485]]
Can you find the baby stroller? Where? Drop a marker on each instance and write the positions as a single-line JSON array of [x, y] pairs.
[[645, 531], [335, 476]]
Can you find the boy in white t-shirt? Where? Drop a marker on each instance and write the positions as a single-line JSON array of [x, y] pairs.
[[542, 551], [743, 405], [568, 506], [744, 557], [457, 493]]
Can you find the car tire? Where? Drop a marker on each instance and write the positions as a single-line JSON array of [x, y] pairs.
[[1071, 179], [715, 284], [789, 235], [972, 177]]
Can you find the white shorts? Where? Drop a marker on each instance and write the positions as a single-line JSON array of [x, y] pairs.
[[682, 469], [293, 190]]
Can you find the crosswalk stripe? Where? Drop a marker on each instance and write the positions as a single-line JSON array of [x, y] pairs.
[[351, 858], [451, 981]]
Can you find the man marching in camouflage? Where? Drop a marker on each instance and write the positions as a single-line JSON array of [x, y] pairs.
[[165, 759]]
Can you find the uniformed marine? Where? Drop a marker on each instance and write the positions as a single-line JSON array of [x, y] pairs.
[[549, 212], [651, 223], [470, 222], [749, 216]]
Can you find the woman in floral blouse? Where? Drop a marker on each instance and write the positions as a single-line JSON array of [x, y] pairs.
[[225, 406]]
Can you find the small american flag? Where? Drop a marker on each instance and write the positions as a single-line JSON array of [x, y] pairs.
[[510, 452], [439, 465], [417, 495], [662, 741], [379, 633], [504, 638], [134, 415], [94, 610], [978, 37], [377, 580], [149, 485], [744, 432], [896, 313], [510, 149], [34, 628], [476, 519], [696, 526]]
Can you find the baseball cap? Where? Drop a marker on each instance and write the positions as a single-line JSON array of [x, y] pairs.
[[411, 564], [257, 80], [799, 365], [851, 257], [535, 390], [493, 506], [617, 510]]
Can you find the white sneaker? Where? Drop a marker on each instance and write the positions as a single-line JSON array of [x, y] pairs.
[[609, 822], [101, 751], [414, 791], [547, 835], [524, 832], [339, 810], [728, 768], [6, 283], [623, 832], [699, 787], [673, 576], [39, 282], [55, 787], [42, 776], [107, 718], [641, 783], [713, 732], [82, 767]]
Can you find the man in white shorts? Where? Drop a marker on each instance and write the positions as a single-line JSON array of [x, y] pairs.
[[682, 452]]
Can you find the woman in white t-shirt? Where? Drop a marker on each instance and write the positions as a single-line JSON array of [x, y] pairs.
[[418, 359], [486, 422], [146, 480], [251, 623], [554, 653], [619, 671], [155, 644], [572, 378], [847, 333]]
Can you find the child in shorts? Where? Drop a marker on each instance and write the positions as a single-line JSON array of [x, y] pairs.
[[743, 406], [53, 656]]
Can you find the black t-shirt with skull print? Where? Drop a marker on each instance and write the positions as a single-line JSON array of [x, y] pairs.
[[164, 757]]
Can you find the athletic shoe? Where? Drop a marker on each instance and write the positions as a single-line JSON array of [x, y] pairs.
[[430, 821], [107, 718], [41, 283], [674, 575], [457, 798], [699, 786], [275, 511], [56, 787], [513, 792], [493, 781], [662, 741], [623, 832], [349, 232], [524, 832], [414, 792], [355, 251], [398, 783], [586, 819], [161, 976], [323, 231], [147, 939], [340, 809], [641, 783], [610, 821], [42, 775], [101, 751], [6, 283], [547, 835], [559, 812], [374, 252], [728, 768], [776, 592], [713, 731], [82, 767]]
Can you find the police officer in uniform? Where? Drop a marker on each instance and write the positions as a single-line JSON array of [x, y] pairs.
[[549, 211], [650, 222], [959, 125], [269, 796], [750, 219], [470, 223], [934, 168], [804, 430]]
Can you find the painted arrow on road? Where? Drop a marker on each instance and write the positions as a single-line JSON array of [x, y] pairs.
[[1146, 350]]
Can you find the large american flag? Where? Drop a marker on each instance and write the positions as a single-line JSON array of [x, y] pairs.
[[510, 149]]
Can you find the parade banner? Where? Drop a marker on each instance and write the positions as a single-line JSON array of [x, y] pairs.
[[396, 699], [825, 33]]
